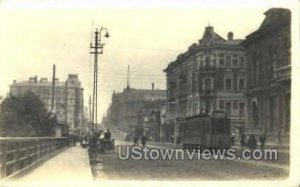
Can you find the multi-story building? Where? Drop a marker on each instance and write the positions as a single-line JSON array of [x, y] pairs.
[[269, 76], [150, 120], [209, 76], [126, 107], [68, 98]]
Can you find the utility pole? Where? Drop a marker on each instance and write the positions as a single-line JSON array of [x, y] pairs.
[[97, 49], [128, 77], [90, 109], [53, 89], [94, 103]]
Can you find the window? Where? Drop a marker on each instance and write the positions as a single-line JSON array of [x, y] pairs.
[[214, 62], [257, 66], [228, 61], [196, 111], [207, 61], [235, 62], [241, 84], [228, 108], [242, 62], [228, 84], [221, 62], [221, 59], [235, 105], [207, 105], [221, 105], [242, 109], [207, 84]]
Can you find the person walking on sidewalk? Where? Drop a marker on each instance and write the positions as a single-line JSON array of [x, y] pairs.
[[243, 139], [232, 138], [143, 139], [135, 141], [252, 142], [178, 140], [173, 138], [262, 139]]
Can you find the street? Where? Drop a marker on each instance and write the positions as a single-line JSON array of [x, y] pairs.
[[114, 168]]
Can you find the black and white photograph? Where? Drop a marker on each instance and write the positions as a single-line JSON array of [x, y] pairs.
[[149, 93]]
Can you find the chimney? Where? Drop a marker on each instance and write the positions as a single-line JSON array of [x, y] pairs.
[[15, 81], [43, 79], [152, 90], [31, 79], [230, 36]]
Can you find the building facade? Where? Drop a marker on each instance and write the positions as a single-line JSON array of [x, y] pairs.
[[126, 109], [151, 123], [68, 98], [269, 76], [209, 76]]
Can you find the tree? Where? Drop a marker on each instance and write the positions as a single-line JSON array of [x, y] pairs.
[[25, 115]]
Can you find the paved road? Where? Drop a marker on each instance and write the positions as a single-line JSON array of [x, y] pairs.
[[114, 168], [73, 165]]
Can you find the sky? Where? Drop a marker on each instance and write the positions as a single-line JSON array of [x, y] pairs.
[[145, 35]]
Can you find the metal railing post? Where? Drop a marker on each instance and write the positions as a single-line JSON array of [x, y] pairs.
[[19, 152], [17, 163], [3, 163]]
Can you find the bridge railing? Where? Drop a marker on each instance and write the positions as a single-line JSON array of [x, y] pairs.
[[19, 152]]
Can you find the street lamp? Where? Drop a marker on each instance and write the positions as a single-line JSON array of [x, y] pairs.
[[98, 49]]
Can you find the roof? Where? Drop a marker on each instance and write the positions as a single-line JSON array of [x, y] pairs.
[[275, 19], [37, 84], [146, 91], [209, 37], [210, 40], [142, 94]]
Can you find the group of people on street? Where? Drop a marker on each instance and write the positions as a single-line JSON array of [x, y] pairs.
[[248, 141], [251, 141], [143, 140], [92, 140], [97, 141]]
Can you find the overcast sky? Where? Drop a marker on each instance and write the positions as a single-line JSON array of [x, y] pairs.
[[145, 35]]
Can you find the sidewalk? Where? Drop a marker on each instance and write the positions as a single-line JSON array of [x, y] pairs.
[[69, 166]]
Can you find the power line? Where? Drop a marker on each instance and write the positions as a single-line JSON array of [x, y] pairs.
[[133, 74], [144, 48]]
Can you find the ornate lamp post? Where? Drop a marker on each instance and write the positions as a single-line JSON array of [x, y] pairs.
[[97, 49]]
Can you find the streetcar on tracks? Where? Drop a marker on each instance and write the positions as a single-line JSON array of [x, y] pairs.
[[206, 131]]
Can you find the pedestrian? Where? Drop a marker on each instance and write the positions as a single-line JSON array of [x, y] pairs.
[[243, 139], [143, 139], [262, 140], [135, 141], [107, 135], [232, 138], [178, 140], [172, 139], [93, 146], [252, 142]]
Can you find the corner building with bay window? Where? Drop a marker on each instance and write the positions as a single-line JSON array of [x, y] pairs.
[[209, 76]]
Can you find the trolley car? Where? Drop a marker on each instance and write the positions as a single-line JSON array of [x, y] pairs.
[[207, 131]]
